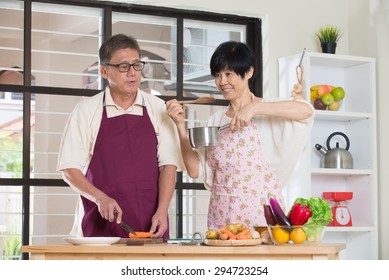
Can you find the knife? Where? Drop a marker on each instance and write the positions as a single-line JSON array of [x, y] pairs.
[[127, 228]]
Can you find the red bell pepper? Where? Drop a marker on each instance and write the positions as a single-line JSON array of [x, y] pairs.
[[299, 214]]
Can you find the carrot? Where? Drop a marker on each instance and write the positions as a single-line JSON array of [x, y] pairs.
[[231, 236], [245, 231], [242, 237], [224, 236], [141, 234], [243, 234]]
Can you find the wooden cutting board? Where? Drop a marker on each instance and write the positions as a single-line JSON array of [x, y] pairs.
[[232, 243], [140, 241]]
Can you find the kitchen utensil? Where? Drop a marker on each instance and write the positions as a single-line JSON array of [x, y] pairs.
[[127, 228], [298, 88], [299, 70], [141, 241], [195, 241], [200, 100], [151, 240], [341, 213], [337, 157], [205, 136]]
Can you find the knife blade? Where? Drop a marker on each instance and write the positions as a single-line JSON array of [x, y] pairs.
[[127, 228]]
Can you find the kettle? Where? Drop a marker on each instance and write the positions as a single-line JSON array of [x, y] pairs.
[[337, 157]]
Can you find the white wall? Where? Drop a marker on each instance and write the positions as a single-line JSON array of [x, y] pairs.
[[369, 36], [289, 27]]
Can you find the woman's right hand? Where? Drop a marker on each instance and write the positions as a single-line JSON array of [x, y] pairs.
[[191, 159], [176, 112]]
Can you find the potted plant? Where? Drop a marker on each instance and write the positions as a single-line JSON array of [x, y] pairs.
[[329, 36]]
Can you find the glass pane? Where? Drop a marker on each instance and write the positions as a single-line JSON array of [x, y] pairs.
[[157, 40], [195, 210], [11, 135], [50, 114], [65, 45], [11, 43], [10, 222], [51, 214], [200, 41], [172, 217]]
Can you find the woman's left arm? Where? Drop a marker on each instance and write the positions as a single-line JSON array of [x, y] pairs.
[[295, 110]]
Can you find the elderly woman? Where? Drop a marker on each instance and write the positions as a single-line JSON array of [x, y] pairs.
[[259, 151]]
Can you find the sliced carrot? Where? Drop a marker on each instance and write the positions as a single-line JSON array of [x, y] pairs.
[[141, 234]]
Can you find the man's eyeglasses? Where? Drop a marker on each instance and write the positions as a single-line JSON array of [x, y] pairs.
[[125, 67]]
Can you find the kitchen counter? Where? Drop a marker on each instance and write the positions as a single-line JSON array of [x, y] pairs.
[[176, 251]]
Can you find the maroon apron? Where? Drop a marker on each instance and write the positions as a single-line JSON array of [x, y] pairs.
[[124, 166]]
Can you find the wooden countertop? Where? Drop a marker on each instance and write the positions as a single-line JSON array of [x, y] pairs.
[[176, 251]]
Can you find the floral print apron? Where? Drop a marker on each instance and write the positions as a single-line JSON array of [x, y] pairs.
[[243, 181]]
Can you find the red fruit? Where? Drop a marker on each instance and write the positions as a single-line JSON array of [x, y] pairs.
[[319, 105]]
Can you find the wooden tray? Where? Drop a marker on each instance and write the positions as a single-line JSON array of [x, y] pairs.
[[140, 241], [232, 243]]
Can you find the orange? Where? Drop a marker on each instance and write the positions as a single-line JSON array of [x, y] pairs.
[[297, 235], [280, 235]]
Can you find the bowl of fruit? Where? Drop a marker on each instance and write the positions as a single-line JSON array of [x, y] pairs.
[[327, 97], [295, 234], [305, 222]]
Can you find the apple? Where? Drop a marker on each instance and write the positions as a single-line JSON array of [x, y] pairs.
[[319, 105], [327, 98], [338, 93], [334, 106], [323, 89]]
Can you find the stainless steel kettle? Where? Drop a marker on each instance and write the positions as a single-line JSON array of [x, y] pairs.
[[337, 157]]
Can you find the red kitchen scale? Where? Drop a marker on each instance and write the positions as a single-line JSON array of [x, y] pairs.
[[341, 213]]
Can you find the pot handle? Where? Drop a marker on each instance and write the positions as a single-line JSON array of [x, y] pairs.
[[338, 133]]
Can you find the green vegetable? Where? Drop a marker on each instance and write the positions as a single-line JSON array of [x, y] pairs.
[[321, 216]]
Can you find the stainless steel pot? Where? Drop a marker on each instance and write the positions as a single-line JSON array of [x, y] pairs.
[[200, 137]]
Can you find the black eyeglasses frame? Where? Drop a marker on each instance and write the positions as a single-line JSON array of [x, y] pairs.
[[128, 66]]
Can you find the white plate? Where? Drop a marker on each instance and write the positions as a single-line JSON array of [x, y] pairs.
[[92, 241]]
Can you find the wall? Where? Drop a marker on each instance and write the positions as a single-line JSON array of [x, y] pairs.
[[289, 27], [370, 20]]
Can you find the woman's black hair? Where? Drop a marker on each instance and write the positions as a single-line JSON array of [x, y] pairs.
[[232, 55]]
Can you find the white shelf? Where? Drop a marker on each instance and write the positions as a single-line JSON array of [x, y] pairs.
[[350, 229], [340, 172], [341, 116], [357, 119]]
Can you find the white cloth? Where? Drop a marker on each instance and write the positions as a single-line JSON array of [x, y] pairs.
[[79, 137], [282, 142]]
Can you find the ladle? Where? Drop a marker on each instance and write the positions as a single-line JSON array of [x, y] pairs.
[[200, 100]]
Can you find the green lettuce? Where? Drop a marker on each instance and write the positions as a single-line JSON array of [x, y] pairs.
[[321, 216]]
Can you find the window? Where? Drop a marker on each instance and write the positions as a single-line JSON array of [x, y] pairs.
[[50, 63]]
